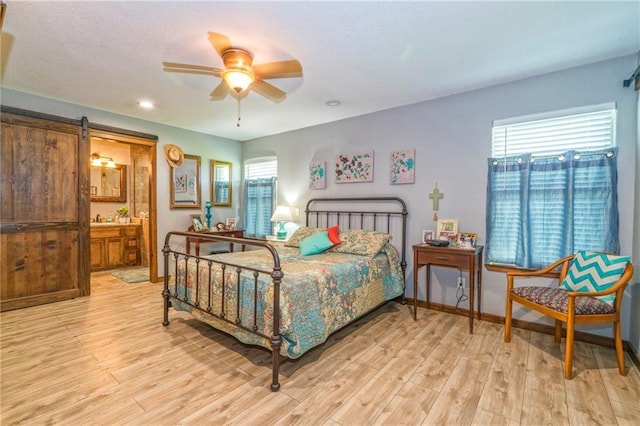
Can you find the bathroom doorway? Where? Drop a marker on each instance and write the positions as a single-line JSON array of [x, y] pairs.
[[137, 152]]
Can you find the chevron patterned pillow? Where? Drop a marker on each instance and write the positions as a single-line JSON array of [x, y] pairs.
[[594, 272]]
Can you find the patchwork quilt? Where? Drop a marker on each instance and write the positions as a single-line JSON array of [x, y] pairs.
[[318, 295]]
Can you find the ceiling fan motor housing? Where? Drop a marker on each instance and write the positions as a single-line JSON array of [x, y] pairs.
[[237, 60]]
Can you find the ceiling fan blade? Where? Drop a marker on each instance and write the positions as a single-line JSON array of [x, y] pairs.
[[282, 69], [3, 9], [268, 91], [220, 92], [219, 42], [193, 69]]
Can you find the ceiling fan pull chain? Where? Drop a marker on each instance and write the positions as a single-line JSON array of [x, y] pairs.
[[238, 124]]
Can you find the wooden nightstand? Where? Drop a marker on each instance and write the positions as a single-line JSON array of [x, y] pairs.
[[465, 259], [236, 233]]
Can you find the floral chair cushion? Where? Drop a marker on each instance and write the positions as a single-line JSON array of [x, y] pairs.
[[556, 298]]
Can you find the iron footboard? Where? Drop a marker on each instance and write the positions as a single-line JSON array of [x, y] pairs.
[[172, 289]]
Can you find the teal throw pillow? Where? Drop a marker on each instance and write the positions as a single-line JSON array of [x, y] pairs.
[[594, 272], [314, 244]]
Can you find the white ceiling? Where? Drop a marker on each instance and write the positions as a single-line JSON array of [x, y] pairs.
[[369, 55]]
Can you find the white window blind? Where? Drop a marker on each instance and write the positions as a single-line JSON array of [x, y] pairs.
[[263, 168], [587, 131]]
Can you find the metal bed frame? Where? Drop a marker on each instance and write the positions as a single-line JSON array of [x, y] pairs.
[[367, 217]]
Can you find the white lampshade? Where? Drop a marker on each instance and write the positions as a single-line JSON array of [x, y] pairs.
[[282, 214]]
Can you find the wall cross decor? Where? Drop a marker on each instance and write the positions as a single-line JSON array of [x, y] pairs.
[[436, 196]]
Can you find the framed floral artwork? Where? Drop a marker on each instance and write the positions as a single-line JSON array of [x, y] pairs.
[[317, 175], [402, 166], [357, 167]]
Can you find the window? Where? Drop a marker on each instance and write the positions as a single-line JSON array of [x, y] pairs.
[[260, 178], [552, 188], [592, 128]]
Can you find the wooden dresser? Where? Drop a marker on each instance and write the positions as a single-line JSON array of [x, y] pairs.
[[115, 246]]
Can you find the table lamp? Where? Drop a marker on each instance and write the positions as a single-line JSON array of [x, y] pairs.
[[282, 215]]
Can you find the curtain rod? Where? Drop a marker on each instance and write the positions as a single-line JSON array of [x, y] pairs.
[[561, 156], [635, 75]]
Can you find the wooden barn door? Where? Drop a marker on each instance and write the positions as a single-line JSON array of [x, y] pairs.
[[43, 209]]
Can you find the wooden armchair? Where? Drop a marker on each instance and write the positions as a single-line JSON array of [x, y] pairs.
[[590, 290]]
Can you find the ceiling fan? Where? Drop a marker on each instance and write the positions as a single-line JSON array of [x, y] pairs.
[[239, 74]]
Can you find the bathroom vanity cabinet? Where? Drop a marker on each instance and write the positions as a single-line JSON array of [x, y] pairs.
[[115, 245]]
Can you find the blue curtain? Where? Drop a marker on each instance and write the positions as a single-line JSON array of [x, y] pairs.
[[259, 201], [539, 210]]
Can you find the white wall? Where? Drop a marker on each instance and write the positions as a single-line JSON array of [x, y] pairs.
[[207, 146], [452, 138]]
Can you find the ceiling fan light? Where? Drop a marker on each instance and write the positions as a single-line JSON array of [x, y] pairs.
[[238, 80]]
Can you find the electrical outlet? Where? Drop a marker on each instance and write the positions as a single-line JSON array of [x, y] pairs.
[[460, 282]]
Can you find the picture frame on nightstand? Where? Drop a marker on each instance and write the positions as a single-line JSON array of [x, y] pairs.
[[427, 235], [466, 239], [197, 223], [447, 229]]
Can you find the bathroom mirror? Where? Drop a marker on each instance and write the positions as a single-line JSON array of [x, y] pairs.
[[220, 183], [108, 184]]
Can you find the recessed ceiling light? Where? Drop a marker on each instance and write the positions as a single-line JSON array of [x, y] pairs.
[[145, 104], [333, 102]]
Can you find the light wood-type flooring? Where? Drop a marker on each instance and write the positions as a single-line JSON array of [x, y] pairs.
[[106, 359]]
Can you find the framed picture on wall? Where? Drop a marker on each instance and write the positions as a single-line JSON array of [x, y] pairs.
[[184, 184], [317, 175], [402, 166], [356, 167]]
